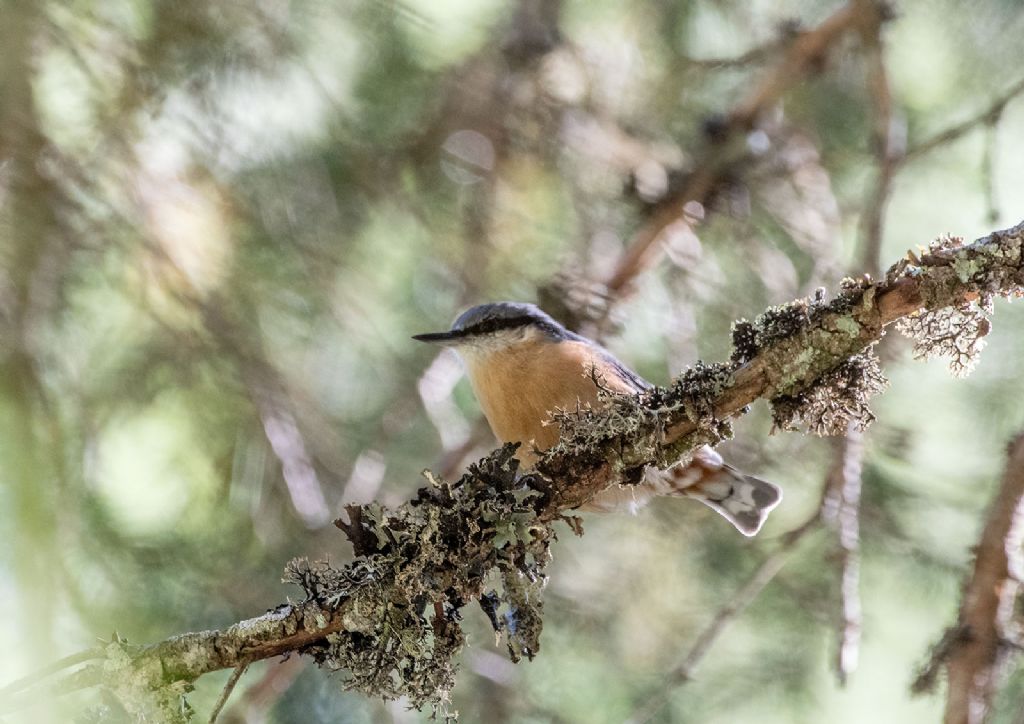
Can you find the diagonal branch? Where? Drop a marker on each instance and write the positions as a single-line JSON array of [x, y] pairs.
[[975, 649], [946, 279], [988, 115], [737, 604], [724, 145], [390, 619]]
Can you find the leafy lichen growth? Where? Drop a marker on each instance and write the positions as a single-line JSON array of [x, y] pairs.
[[140, 692], [798, 345], [744, 342], [642, 420], [781, 321], [694, 393], [584, 429], [957, 284], [838, 399], [954, 332], [388, 647], [419, 566]]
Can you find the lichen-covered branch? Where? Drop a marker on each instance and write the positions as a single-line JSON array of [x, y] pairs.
[[975, 649], [811, 358], [391, 619]]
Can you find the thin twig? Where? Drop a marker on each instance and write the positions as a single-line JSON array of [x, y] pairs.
[[228, 688], [988, 174], [886, 144], [260, 696], [84, 678], [928, 673], [994, 110], [843, 507], [49, 670], [737, 603]]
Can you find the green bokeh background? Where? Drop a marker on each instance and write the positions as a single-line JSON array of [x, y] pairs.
[[221, 222]]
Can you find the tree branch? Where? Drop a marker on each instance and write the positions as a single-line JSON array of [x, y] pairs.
[[986, 116], [945, 279], [843, 512], [886, 145], [803, 56], [737, 604], [390, 619], [975, 649], [228, 688]]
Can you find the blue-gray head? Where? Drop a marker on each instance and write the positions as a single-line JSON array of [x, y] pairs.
[[497, 323]]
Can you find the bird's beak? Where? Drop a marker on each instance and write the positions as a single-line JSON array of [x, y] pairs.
[[446, 339]]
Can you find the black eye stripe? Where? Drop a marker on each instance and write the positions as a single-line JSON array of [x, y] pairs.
[[490, 326], [497, 324]]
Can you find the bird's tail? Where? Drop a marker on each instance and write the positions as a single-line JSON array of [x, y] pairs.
[[743, 500]]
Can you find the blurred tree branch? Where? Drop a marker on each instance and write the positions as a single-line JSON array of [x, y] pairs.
[[989, 115], [34, 254], [725, 142], [841, 502], [975, 650], [390, 618], [886, 143], [737, 604], [841, 509]]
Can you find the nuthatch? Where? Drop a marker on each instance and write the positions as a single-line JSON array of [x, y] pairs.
[[523, 365]]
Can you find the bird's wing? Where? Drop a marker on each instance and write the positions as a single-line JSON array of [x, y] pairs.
[[625, 374]]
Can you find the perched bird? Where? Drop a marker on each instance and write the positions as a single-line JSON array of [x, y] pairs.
[[523, 365]]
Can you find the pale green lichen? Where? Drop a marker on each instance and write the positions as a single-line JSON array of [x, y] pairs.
[[419, 566], [848, 326], [957, 283], [965, 269], [837, 400], [639, 422], [954, 332], [142, 690], [810, 353]]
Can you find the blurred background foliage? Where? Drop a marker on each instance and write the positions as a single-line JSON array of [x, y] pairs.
[[221, 222]]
